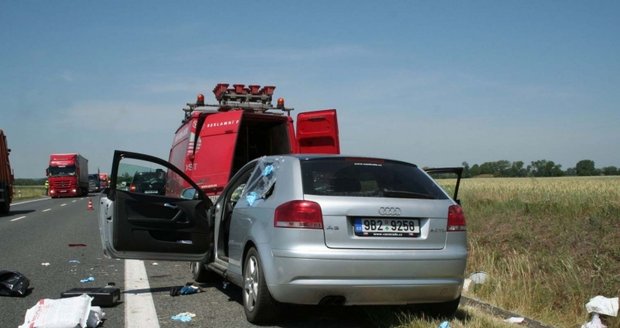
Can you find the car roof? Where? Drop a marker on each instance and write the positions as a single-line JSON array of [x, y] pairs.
[[319, 156]]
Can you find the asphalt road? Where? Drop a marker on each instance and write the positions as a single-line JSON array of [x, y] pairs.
[[47, 231]]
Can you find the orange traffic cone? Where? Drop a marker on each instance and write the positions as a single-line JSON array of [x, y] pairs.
[[90, 205]]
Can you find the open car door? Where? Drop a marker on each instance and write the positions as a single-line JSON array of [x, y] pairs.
[[153, 211], [317, 132], [448, 172]]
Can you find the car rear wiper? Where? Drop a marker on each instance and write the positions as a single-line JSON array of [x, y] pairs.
[[406, 194]]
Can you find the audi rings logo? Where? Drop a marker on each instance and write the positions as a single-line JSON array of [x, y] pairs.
[[391, 211]]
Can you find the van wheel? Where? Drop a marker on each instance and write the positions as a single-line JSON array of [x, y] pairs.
[[200, 272], [258, 304]]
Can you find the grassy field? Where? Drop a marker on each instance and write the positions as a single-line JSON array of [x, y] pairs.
[[27, 192], [547, 244]]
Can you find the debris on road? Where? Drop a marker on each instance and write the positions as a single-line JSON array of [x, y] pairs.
[[95, 317], [45, 263], [89, 279], [74, 261], [13, 283], [183, 317], [188, 289], [107, 296], [67, 312], [77, 245]]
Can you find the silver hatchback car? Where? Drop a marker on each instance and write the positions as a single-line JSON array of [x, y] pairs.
[[302, 229]]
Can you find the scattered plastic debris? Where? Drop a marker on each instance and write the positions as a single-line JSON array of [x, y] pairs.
[[66, 312], [183, 317], [514, 320], [74, 261], [466, 284], [444, 324], [478, 278], [600, 305], [89, 279], [595, 322], [95, 317], [154, 263], [13, 283], [45, 263], [188, 289], [603, 305]]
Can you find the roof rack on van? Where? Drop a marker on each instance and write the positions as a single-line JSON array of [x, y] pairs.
[[252, 98]]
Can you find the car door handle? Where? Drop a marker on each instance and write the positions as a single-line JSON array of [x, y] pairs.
[[172, 206]]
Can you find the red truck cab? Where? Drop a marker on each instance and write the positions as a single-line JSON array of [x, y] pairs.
[[103, 180], [67, 175], [214, 141]]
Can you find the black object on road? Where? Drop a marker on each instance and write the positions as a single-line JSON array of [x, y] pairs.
[[102, 296], [13, 283]]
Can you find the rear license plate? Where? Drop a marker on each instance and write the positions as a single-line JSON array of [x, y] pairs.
[[386, 227]]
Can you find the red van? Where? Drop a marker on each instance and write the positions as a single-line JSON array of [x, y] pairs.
[[214, 141]]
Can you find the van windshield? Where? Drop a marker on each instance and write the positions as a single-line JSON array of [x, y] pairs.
[[367, 177]]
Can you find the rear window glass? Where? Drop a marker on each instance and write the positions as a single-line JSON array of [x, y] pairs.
[[363, 177]]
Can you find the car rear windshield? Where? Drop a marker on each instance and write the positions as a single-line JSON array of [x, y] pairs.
[[364, 177]]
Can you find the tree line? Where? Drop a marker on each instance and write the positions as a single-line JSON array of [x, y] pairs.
[[539, 168]]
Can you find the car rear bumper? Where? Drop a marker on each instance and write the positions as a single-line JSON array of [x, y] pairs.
[[366, 277]]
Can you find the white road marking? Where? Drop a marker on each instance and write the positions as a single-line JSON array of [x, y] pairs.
[[19, 218], [63, 204], [46, 210], [30, 201], [139, 306], [73, 201]]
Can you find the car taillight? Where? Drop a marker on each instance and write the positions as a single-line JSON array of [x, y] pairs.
[[456, 218], [132, 187], [299, 214]]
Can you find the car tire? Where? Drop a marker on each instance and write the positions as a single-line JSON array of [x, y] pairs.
[[258, 304], [200, 273], [443, 310]]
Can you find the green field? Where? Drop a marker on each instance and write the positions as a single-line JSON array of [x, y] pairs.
[[27, 192], [547, 244]]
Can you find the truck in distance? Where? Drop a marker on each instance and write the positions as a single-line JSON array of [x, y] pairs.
[[67, 175], [6, 176]]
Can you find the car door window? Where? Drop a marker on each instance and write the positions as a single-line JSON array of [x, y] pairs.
[[143, 177], [262, 180]]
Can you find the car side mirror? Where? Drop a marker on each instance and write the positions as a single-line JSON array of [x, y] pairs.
[[189, 193]]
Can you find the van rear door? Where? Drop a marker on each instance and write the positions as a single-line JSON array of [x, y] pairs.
[[317, 132]]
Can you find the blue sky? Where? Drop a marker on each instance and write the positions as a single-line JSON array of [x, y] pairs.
[[430, 82]]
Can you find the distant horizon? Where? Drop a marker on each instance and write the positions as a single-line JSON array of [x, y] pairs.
[[470, 165]]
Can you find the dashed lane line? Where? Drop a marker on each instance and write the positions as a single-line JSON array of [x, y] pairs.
[[19, 218], [46, 210], [63, 204]]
